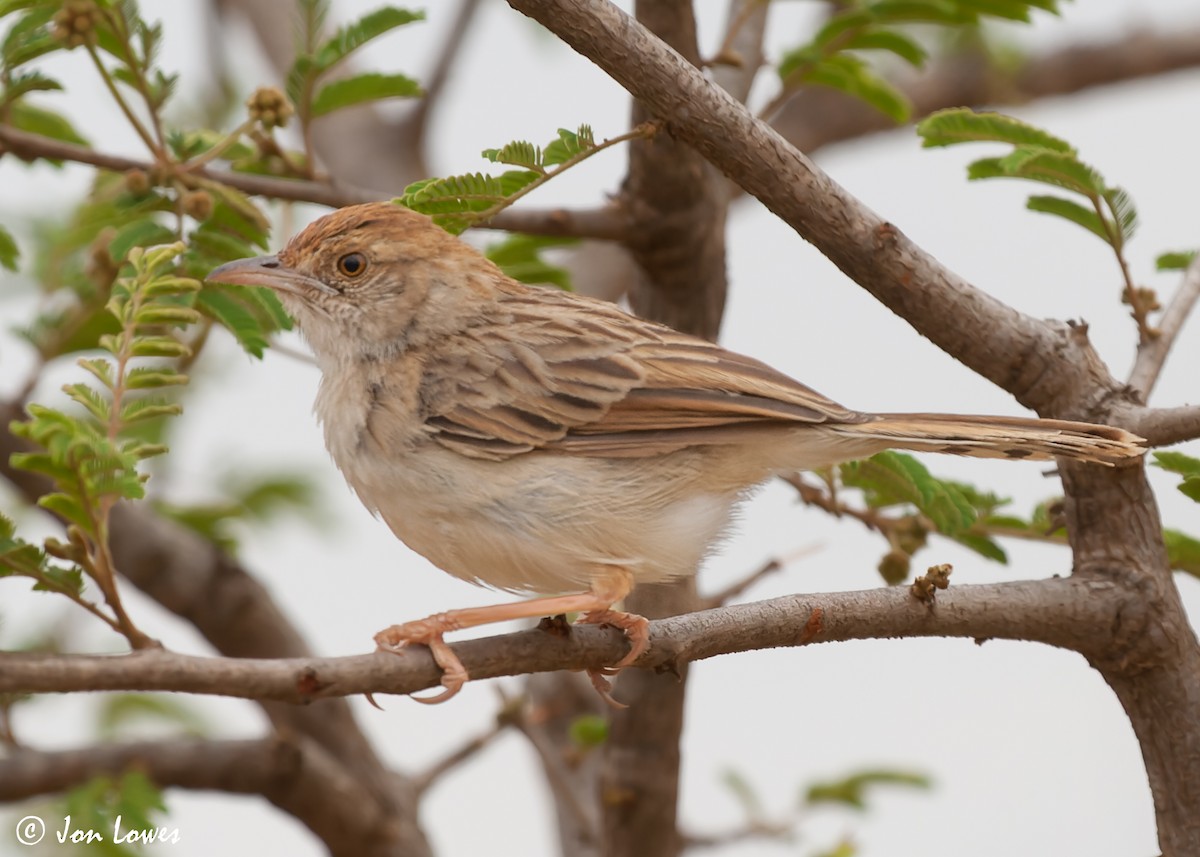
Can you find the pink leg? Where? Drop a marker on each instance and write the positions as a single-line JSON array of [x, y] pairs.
[[594, 605]]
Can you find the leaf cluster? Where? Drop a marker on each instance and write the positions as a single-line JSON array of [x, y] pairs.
[[1183, 551], [458, 202], [899, 481], [90, 460], [835, 56], [306, 86], [96, 805], [1038, 156], [520, 257]]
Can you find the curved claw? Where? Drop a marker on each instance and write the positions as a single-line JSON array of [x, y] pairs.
[[427, 633], [604, 687]]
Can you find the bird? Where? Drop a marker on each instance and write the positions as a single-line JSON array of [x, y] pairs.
[[550, 444]]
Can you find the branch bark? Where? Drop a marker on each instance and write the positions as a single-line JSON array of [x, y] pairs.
[[1071, 613], [1049, 367]]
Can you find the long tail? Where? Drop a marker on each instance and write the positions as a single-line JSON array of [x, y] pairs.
[[1001, 437]]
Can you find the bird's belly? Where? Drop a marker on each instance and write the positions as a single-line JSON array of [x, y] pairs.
[[531, 527]]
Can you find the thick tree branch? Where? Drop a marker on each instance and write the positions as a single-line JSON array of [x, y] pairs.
[[1047, 366], [1069, 613], [294, 774], [1163, 426]]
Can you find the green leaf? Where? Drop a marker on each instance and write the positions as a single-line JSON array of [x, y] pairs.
[[1183, 552], [1062, 170], [519, 153], [8, 250], [921, 12], [519, 256], [891, 41], [851, 790], [29, 81], [164, 286], [230, 311], [100, 368], [963, 125], [854, 77], [443, 199], [1120, 203], [25, 117], [1185, 466], [353, 36], [1177, 260], [67, 508], [143, 232], [149, 408], [743, 792], [173, 315], [890, 477], [1072, 211], [119, 710], [152, 377], [588, 731], [985, 546], [159, 346], [361, 89], [95, 404], [55, 578], [1177, 462], [568, 145]]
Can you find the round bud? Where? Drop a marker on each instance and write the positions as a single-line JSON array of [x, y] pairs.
[[198, 204], [137, 182]]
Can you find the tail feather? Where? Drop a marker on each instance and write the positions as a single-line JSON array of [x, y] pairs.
[[1011, 438]]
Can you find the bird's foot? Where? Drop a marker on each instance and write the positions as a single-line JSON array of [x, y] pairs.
[[428, 632], [636, 628]]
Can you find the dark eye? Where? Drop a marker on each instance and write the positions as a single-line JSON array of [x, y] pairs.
[[352, 264]]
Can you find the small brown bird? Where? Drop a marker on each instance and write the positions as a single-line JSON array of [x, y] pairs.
[[538, 441]]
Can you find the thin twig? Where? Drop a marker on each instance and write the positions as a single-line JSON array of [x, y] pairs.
[[724, 596], [603, 224], [552, 763], [421, 782], [447, 58], [1152, 354]]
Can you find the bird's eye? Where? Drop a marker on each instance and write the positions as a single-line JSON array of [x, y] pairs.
[[352, 264]]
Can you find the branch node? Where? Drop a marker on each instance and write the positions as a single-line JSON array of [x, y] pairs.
[[925, 587]]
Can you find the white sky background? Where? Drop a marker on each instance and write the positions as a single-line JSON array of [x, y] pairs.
[[1029, 750]]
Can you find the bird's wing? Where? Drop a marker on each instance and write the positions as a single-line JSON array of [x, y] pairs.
[[557, 371]]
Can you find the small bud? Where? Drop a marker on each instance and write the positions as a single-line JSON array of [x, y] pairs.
[[270, 107], [198, 204], [137, 182], [75, 23], [894, 566]]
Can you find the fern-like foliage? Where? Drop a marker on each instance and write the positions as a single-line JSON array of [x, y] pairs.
[[314, 98], [836, 56], [458, 202], [92, 458], [1038, 156]]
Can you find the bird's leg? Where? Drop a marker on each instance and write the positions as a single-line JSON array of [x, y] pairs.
[[595, 605]]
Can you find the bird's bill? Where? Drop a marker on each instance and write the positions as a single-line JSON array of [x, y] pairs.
[[270, 272]]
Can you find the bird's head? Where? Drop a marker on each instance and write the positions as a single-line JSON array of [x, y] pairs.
[[370, 280]]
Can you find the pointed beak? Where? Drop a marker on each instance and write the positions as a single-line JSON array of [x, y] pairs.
[[270, 272]]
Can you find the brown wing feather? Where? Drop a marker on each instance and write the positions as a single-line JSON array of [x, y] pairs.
[[590, 379]]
